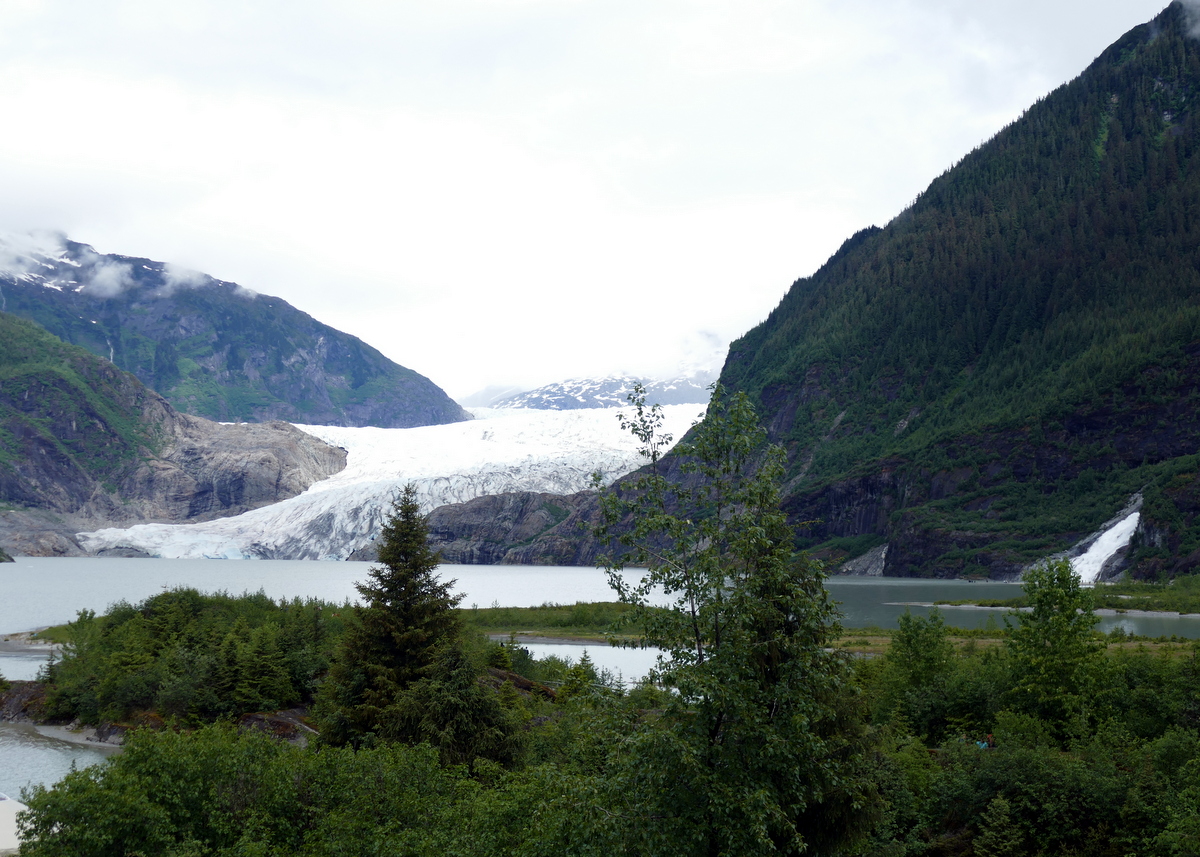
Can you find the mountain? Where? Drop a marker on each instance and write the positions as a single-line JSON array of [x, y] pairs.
[[1015, 357], [210, 347], [83, 443], [610, 392], [1002, 366]]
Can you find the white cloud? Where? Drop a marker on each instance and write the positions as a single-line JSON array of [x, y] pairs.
[[512, 190], [1191, 10], [108, 279], [23, 252], [178, 277]]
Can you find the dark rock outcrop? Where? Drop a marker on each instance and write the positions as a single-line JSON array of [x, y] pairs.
[[521, 528]]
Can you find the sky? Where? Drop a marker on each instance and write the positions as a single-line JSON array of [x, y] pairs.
[[513, 192]]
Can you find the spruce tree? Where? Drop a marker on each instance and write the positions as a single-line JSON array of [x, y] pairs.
[[406, 623]]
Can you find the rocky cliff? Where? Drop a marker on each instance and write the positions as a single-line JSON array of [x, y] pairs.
[[520, 528], [83, 444], [211, 348]]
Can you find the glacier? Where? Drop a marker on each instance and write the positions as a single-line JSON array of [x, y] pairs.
[[499, 451]]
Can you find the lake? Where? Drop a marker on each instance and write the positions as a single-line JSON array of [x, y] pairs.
[[41, 591]]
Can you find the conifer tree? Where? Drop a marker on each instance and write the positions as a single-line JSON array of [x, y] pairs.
[[405, 625]]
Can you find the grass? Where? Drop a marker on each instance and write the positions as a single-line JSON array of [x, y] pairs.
[[595, 621], [599, 622]]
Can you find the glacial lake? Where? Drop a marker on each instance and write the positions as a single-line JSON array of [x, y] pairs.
[[40, 591]]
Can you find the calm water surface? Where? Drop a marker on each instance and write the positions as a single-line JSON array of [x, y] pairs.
[[28, 758]]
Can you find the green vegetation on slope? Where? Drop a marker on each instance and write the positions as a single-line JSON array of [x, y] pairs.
[[1019, 351], [63, 409], [219, 351]]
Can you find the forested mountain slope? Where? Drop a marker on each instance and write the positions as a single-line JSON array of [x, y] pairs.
[[998, 369], [212, 348], [80, 438]]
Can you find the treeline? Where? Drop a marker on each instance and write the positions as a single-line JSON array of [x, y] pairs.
[[1049, 743]]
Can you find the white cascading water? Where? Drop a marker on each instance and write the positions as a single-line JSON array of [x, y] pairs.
[[1089, 564]]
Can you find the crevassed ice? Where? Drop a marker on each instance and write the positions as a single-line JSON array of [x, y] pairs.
[[500, 451]]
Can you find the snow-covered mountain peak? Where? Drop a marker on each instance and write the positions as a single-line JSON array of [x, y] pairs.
[[612, 391]]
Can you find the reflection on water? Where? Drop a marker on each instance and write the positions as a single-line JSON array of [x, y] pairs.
[[28, 758], [630, 665]]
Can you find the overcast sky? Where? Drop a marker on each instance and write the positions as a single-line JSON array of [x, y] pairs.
[[512, 191]]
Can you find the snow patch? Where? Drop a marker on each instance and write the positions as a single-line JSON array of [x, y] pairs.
[[497, 452]]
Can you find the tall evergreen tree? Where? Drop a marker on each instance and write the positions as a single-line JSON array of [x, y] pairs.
[[405, 625]]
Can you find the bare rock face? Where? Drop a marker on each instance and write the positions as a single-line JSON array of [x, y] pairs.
[[212, 470], [504, 528], [206, 470]]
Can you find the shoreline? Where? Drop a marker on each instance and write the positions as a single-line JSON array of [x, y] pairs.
[[22, 642], [558, 641], [1100, 611], [86, 736]]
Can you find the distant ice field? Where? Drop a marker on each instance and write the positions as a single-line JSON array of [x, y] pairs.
[[500, 451]]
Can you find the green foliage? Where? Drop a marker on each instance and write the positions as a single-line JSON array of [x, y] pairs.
[[917, 671], [219, 351], [72, 403], [405, 625], [593, 620], [193, 658], [751, 742], [218, 792], [755, 750], [451, 710], [1052, 647], [401, 672]]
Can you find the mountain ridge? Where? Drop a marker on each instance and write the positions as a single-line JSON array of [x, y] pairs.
[[608, 391], [211, 347]]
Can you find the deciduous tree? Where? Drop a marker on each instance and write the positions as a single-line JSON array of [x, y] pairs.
[[758, 748]]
